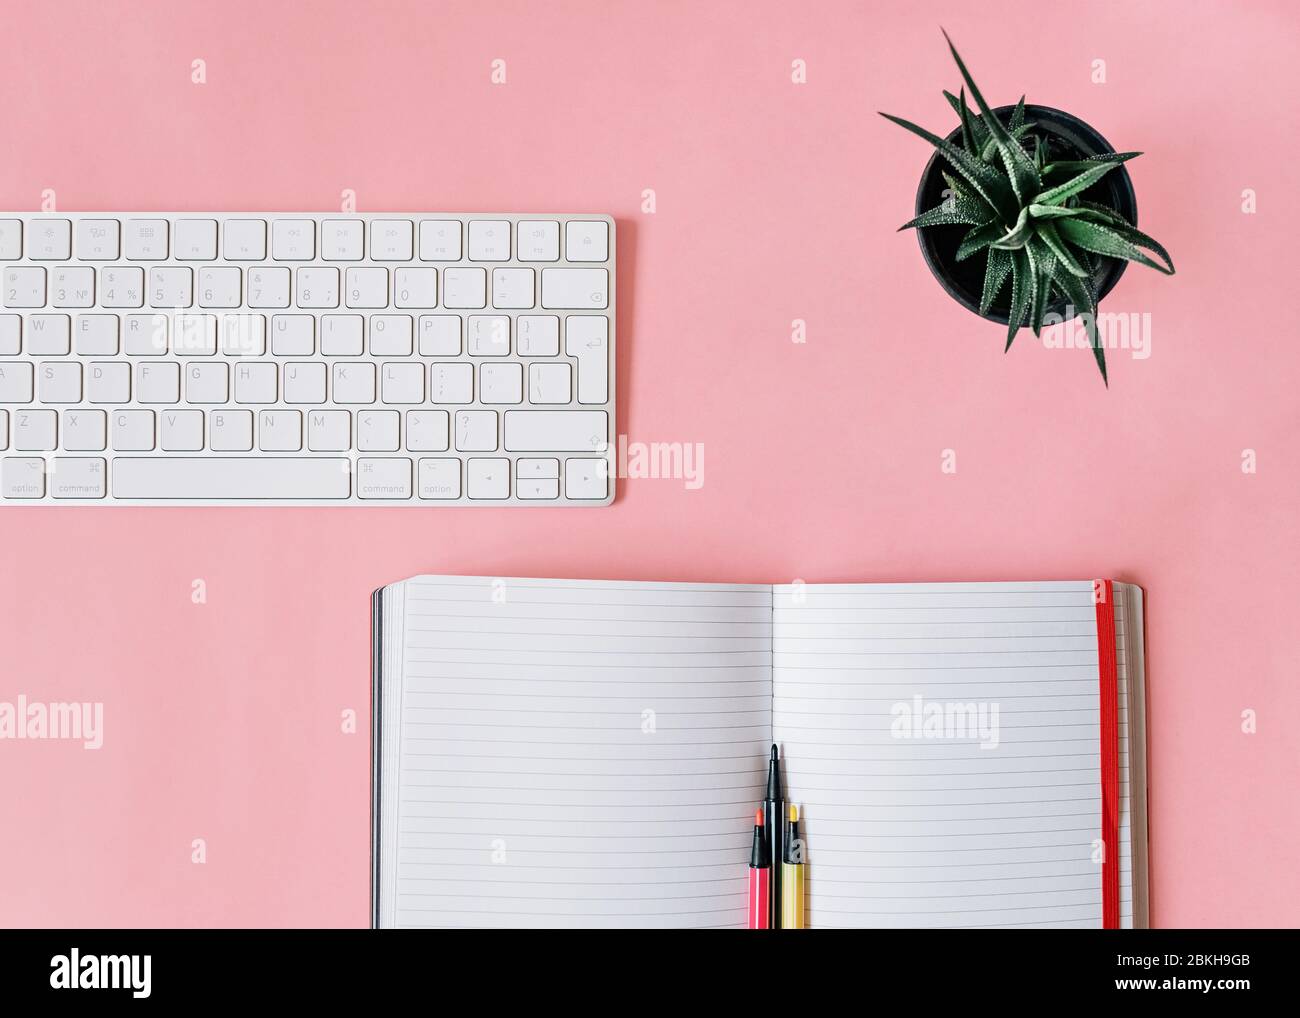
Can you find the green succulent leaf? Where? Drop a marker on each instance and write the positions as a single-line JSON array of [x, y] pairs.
[[1115, 241], [995, 275], [956, 210], [1053, 211], [992, 187], [990, 151], [1047, 231], [1079, 293], [1018, 235], [1043, 265], [1109, 217], [1020, 168], [1017, 115], [978, 239], [1085, 180], [969, 138], [1079, 165], [1021, 283]]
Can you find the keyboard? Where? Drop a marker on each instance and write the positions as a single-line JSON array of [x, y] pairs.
[[385, 359]]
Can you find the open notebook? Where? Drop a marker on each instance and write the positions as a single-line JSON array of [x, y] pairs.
[[554, 753]]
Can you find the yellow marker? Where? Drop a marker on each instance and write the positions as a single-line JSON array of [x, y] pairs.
[[792, 875]]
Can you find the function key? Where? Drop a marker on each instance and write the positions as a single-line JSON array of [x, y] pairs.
[[293, 240], [49, 240], [489, 240], [11, 239], [196, 240], [343, 240], [586, 241], [245, 240], [146, 240], [98, 239], [440, 240], [390, 240], [539, 241]]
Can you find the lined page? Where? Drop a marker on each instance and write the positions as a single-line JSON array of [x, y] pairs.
[[942, 742], [575, 753]]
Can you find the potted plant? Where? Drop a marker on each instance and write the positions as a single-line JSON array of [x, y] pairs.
[[1037, 218]]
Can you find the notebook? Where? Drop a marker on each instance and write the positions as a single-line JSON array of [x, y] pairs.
[[582, 753]]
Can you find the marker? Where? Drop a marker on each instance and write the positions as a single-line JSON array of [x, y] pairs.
[[792, 875], [773, 818], [760, 878]]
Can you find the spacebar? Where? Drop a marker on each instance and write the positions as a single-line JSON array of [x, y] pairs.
[[217, 477]]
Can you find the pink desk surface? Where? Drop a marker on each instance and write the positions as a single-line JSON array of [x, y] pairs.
[[774, 202]]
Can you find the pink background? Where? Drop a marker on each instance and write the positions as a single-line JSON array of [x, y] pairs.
[[775, 201]]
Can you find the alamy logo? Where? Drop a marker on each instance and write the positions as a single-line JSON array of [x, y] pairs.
[[919, 718], [74, 971], [34, 720]]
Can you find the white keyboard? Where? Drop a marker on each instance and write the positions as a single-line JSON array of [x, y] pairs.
[[152, 358]]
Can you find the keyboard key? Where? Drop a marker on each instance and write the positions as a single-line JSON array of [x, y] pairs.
[[501, 383], [487, 478], [85, 430], [575, 288], [278, 478], [451, 383], [79, 477], [108, 382], [11, 335], [146, 240], [378, 431], [439, 336], [4, 429], [528, 467], [549, 383], [367, 287], [207, 382], [318, 287], [354, 383], [22, 478], [269, 286], [538, 488], [439, 240], [132, 431], [146, 335], [194, 335], [537, 335], [96, 335], [25, 286], [35, 430], [539, 241], [230, 430], [439, 478], [60, 382], [476, 430], [586, 337], [512, 288], [342, 335], [158, 382], [404, 383], [49, 335], [293, 240], [461, 288], [489, 240], [304, 383], [11, 239], [387, 478], [171, 286], [49, 240], [16, 381], [279, 430], [390, 335], [343, 240], [329, 430], [556, 430], [586, 478], [196, 240], [488, 335], [220, 286], [586, 241], [98, 239], [256, 382], [180, 430], [426, 430], [72, 287], [415, 288], [243, 335], [245, 240], [293, 335], [121, 287], [390, 240]]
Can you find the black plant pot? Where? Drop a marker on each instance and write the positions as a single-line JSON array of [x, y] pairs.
[[1067, 137]]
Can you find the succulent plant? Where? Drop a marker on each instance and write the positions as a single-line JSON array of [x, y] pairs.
[[1025, 210]]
